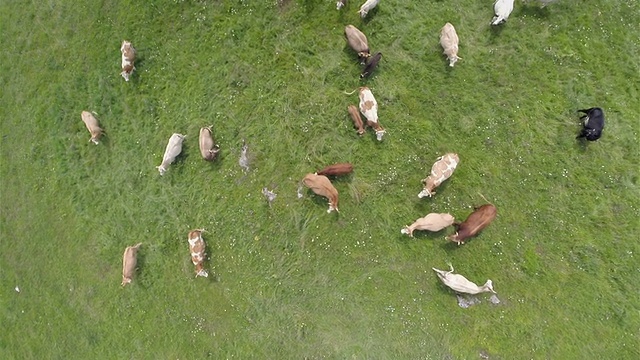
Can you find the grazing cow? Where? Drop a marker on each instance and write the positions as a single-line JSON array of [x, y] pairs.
[[366, 7], [92, 125], [371, 65], [593, 124], [431, 222], [269, 195], [358, 42], [336, 170], [321, 185], [340, 4], [244, 156], [196, 247], [369, 108], [173, 149], [129, 261], [208, 148], [479, 219], [449, 42], [357, 120], [441, 170], [128, 58], [502, 9], [460, 284]]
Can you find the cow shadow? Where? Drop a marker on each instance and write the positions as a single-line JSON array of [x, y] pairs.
[[537, 11]]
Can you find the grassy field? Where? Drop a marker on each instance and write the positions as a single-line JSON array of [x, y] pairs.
[[291, 281]]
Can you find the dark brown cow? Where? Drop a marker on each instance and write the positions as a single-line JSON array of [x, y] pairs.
[[371, 65], [479, 219], [336, 170]]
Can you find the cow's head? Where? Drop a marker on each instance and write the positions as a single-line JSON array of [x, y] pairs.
[[453, 60]]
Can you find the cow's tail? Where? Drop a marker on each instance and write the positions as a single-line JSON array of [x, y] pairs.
[[485, 199], [350, 93]]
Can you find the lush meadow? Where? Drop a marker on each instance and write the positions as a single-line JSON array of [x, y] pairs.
[[291, 281]]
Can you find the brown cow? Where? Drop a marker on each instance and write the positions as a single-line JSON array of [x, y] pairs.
[[358, 42], [371, 65], [92, 125], [336, 170], [129, 261], [208, 148], [196, 247], [321, 185], [479, 219], [357, 120]]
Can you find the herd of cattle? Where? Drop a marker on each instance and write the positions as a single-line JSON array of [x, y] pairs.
[[320, 183]]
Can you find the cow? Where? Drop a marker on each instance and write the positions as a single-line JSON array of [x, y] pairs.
[[336, 170], [128, 58], [369, 108], [92, 125], [479, 219], [340, 4], [371, 65], [358, 42], [460, 284], [321, 185], [208, 148], [449, 42], [502, 9], [129, 261], [197, 247], [366, 7], [244, 157], [357, 120], [593, 124], [432, 222], [441, 170], [173, 149]]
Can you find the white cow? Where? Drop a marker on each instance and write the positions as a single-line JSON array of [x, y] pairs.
[[173, 149], [502, 9], [449, 42], [369, 108], [367, 6]]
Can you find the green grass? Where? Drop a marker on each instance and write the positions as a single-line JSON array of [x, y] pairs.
[[292, 281]]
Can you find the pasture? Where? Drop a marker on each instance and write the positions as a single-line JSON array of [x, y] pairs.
[[291, 281]]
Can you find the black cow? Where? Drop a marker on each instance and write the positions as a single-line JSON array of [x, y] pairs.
[[371, 65], [593, 124]]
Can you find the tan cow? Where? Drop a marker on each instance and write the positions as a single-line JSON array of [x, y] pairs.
[[208, 148], [432, 222], [128, 58], [357, 120], [441, 170], [321, 185], [92, 125], [449, 42], [358, 42], [479, 219], [173, 149], [129, 261], [369, 108], [197, 247], [336, 170]]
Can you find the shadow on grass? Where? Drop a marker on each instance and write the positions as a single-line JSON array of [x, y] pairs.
[[533, 10]]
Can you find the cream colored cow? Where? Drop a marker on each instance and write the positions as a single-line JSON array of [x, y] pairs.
[[449, 42], [322, 186], [129, 262], [431, 222], [92, 125]]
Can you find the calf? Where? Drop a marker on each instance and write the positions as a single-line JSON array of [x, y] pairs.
[[321, 185], [92, 125], [441, 170], [593, 124], [358, 42], [208, 148], [479, 219], [369, 108], [173, 149], [431, 222], [129, 261], [340, 4], [336, 170], [502, 9], [128, 58], [449, 42], [357, 120], [371, 65], [366, 7], [196, 247]]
